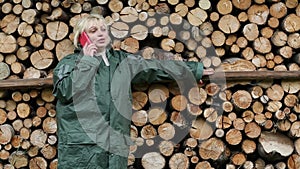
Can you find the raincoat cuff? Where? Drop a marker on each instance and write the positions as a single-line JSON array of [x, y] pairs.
[[199, 71], [91, 60]]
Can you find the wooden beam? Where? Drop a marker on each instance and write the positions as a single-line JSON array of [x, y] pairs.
[[253, 75], [26, 83], [232, 76]]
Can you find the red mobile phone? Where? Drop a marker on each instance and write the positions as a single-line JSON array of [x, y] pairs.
[[83, 39]]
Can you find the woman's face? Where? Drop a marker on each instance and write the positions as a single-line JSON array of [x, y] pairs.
[[98, 33]]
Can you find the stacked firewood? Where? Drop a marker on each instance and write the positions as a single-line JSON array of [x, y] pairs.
[[219, 124], [249, 125], [28, 129]]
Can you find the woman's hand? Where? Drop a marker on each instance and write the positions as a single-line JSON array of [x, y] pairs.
[[209, 71], [89, 49]]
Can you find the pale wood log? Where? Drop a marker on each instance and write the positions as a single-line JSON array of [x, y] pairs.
[[9, 23], [49, 152], [4, 154], [275, 92], [53, 164], [17, 68], [18, 159], [16, 141], [256, 92], [139, 32], [158, 93], [23, 52], [47, 95], [251, 31], [166, 131], [24, 133], [8, 43], [201, 129], [49, 125], [153, 159], [218, 38], [41, 59], [25, 29], [197, 16], [58, 14], [36, 40], [38, 163], [130, 45], [223, 122], [224, 7], [166, 148], [148, 132], [17, 124], [257, 107], [262, 45], [3, 116], [11, 115], [242, 4], [258, 14], [23, 110], [291, 100], [275, 146], [278, 10], [6, 8], [7, 132], [229, 24], [252, 130], [267, 32], [293, 40], [179, 160], [286, 52], [139, 100], [212, 89], [38, 138], [157, 116], [139, 118], [5, 70], [279, 38], [210, 114], [10, 59], [248, 146], [52, 139], [294, 130], [213, 149], [233, 137], [241, 99], [197, 95], [239, 65], [178, 119], [31, 73], [33, 151], [238, 158], [179, 102], [284, 125], [119, 30], [291, 23]]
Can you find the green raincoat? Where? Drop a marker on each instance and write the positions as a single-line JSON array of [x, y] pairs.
[[94, 105]]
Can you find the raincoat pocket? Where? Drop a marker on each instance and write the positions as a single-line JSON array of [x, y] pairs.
[[82, 152]]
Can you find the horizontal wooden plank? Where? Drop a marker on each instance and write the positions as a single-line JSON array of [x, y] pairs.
[[233, 76]]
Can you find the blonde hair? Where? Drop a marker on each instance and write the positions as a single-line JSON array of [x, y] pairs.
[[83, 23]]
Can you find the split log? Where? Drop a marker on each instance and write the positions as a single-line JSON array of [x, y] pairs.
[[274, 146]]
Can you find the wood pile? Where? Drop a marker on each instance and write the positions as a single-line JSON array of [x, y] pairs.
[[234, 124]]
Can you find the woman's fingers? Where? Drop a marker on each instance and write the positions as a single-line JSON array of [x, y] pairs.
[[208, 71], [89, 49]]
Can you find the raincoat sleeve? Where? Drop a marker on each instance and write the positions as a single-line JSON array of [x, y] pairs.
[[73, 75], [167, 70]]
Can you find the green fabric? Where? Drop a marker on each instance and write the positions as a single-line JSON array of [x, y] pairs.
[[94, 115]]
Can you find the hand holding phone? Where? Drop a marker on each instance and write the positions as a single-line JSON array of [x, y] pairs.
[[83, 39]]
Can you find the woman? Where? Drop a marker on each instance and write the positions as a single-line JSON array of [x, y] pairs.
[[92, 113]]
